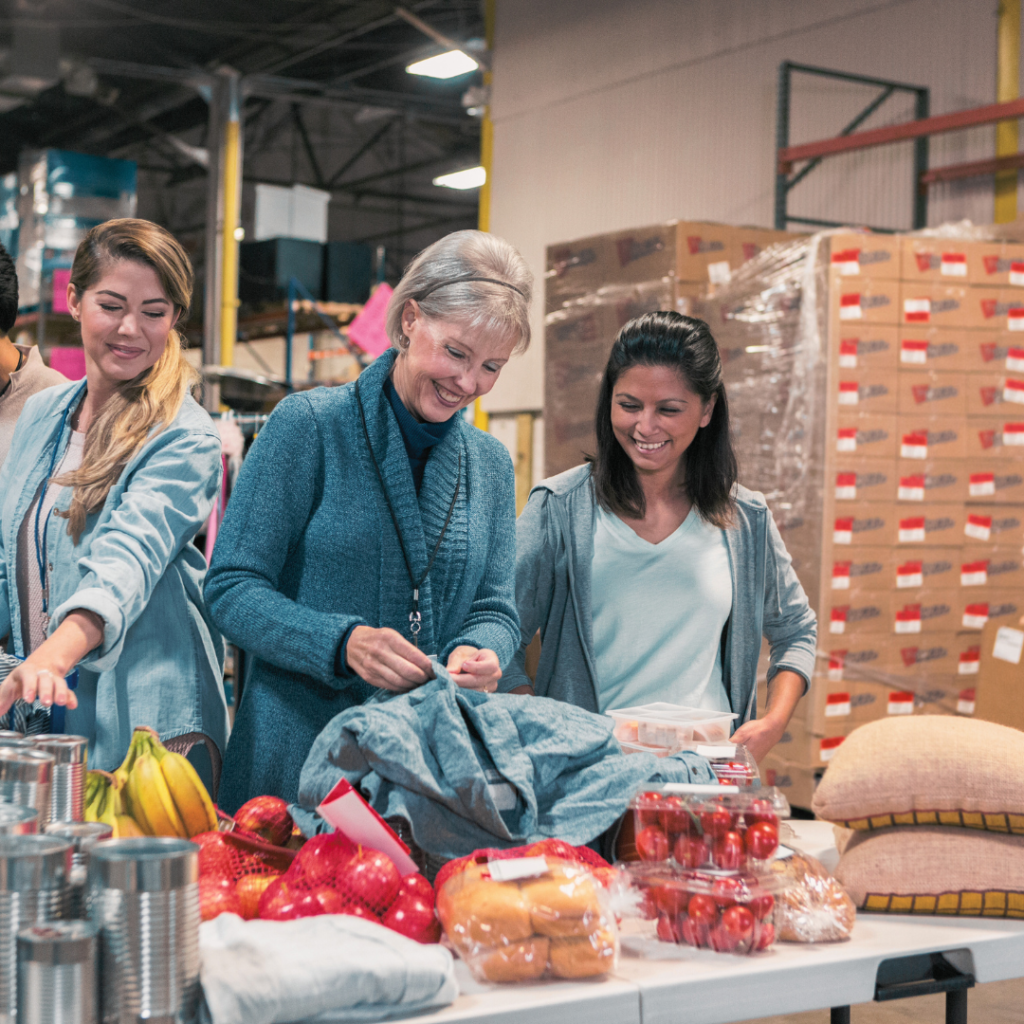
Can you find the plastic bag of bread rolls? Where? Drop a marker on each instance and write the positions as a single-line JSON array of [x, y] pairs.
[[815, 908], [520, 919]]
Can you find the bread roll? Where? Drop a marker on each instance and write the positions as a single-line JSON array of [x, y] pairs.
[[582, 957], [470, 874], [522, 961], [564, 904], [816, 908], [487, 913]]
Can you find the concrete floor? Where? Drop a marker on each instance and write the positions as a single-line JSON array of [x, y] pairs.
[[1000, 1002]]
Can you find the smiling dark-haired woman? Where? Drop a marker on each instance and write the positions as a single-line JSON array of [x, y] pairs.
[[650, 573]]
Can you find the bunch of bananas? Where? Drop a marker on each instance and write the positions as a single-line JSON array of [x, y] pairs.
[[155, 792]]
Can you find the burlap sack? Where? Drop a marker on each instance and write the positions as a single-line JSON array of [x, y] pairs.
[[932, 770], [935, 870]]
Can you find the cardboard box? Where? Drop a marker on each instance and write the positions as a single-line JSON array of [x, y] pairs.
[[1000, 525], [859, 478], [927, 304], [853, 612], [866, 524], [874, 436], [932, 392], [945, 260], [923, 611], [1000, 682], [997, 309], [939, 524], [989, 604], [983, 565], [925, 567], [996, 263], [864, 569], [573, 269], [797, 782], [995, 481], [931, 480], [922, 437], [855, 346], [750, 242], [994, 437], [988, 351], [858, 254], [703, 251], [925, 656], [865, 391], [854, 659], [801, 745], [939, 348], [844, 704], [863, 300], [994, 394]]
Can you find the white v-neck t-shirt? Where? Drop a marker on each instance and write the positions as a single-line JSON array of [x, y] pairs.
[[658, 614]]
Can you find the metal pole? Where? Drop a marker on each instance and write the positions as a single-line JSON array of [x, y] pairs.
[[214, 243], [290, 335], [922, 109], [956, 1006], [232, 179], [1007, 88], [781, 142], [840, 1015], [481, 418]]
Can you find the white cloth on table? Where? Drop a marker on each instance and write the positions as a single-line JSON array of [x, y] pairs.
[[325, 969]]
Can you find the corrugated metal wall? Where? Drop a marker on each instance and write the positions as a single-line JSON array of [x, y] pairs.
[[612, 114]]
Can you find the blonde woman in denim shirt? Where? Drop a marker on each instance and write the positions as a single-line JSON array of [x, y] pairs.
[[107, 483]]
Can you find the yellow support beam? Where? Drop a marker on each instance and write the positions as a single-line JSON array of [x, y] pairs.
[[232, 170], [1007, 88], [524, 459]]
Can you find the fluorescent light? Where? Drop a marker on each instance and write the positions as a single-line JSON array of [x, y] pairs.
[[471, 177], [444, 65]]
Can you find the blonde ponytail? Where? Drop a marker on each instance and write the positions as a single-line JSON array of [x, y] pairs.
[[152, 400]]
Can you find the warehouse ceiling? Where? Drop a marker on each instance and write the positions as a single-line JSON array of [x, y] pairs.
[[331, 105]]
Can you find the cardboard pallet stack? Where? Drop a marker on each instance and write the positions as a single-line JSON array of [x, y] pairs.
[[922, 485], [595, 285]]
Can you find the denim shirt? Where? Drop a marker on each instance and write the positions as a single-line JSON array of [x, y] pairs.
[[161, 659]]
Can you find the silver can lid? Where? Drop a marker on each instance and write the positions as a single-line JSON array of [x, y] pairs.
[[33, 862], [65, 749], [58, 942], [14, 739], [18, 820], [151, 864], [25, 764], [83, 835]]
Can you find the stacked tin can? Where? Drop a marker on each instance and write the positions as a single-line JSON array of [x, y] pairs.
[[83, 836], [143, 897], [57, 973], [34, 872], [18, 821], [14, 739], [25, 777], [67, 785]]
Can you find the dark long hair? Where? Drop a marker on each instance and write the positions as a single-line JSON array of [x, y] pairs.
[[685, 344]]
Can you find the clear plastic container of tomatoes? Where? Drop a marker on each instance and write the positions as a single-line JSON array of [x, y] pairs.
[[732, 764], [709, 827], [725, 911]]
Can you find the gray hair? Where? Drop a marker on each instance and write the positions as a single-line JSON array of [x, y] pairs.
[[436, 280]]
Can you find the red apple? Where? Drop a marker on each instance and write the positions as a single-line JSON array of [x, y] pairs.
[[322, 859], [216, 855], [218, 896], [413, 917], [329, 901], [416, 883], [358, 910], [267, 817], [371, 879], [278, 901], [250, 889]]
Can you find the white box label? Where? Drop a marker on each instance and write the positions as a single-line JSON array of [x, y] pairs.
[[849, 392], [847, 362], [969, 664], [978, 527], [901, 704], [908, 626], [914, 447], [1017, 273], [846, 493], [911, 492], [914, 352], [954, 264], [719, 273], [837, 626], [905, 580], [1009, 644], [849, 308], [846, 441], [965, 707], [974, 578], [840, 582], [1013, 434], [974, 619], [837, 705], [1013, 391], [912, 534], [1015, 359], [982, 485], [1015, 320], [828, 748], [917, 309]]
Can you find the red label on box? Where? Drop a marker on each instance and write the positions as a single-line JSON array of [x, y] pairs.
[[901, 703], [846, 256]]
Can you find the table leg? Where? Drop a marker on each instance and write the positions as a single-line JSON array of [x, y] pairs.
[[841, 1015], [956, 1006]]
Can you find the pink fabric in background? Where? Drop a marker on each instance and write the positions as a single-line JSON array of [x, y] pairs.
[[68, 360], [60, 290], [367, 329]]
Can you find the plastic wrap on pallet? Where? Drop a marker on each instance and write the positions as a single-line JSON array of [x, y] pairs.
[[770, 327]]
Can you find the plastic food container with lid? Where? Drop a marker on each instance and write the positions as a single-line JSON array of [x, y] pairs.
[[662, 728], [710, 827]]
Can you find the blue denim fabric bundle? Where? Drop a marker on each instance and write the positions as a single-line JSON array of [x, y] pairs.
[[470, 770]]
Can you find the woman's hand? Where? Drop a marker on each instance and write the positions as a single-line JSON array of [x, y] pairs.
[[384, 658], [761, 734], [42, 673], [475, 669]]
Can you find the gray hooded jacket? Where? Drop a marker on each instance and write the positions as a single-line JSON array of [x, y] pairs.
[[555, 548]]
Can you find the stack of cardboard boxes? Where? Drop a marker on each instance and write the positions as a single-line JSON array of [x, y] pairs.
[[595, 285], [923, 485]]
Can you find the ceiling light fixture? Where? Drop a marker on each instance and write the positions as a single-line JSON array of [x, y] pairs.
[[444, 65], [471, 177]]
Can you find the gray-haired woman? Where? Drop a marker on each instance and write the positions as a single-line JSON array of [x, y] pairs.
[[372, 526]]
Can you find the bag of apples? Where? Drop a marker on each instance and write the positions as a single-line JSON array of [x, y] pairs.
[[332, 875]]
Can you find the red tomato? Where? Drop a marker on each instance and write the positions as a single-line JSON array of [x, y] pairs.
[[648, 815], [693, 934], [766, 938], [760, 810], [674, 818], [690, 851], [323, 858], [739, 923], [761, 905], [652, 844], [417, 884], [702, 909], [665, 930], [716, 820], [762, 840], [412, 916], [729, 851], [670, 899], [725, 890], [648, 908], [372, 879], [722, 941]]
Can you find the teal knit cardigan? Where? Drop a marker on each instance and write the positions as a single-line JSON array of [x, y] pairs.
[[308, 549]]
